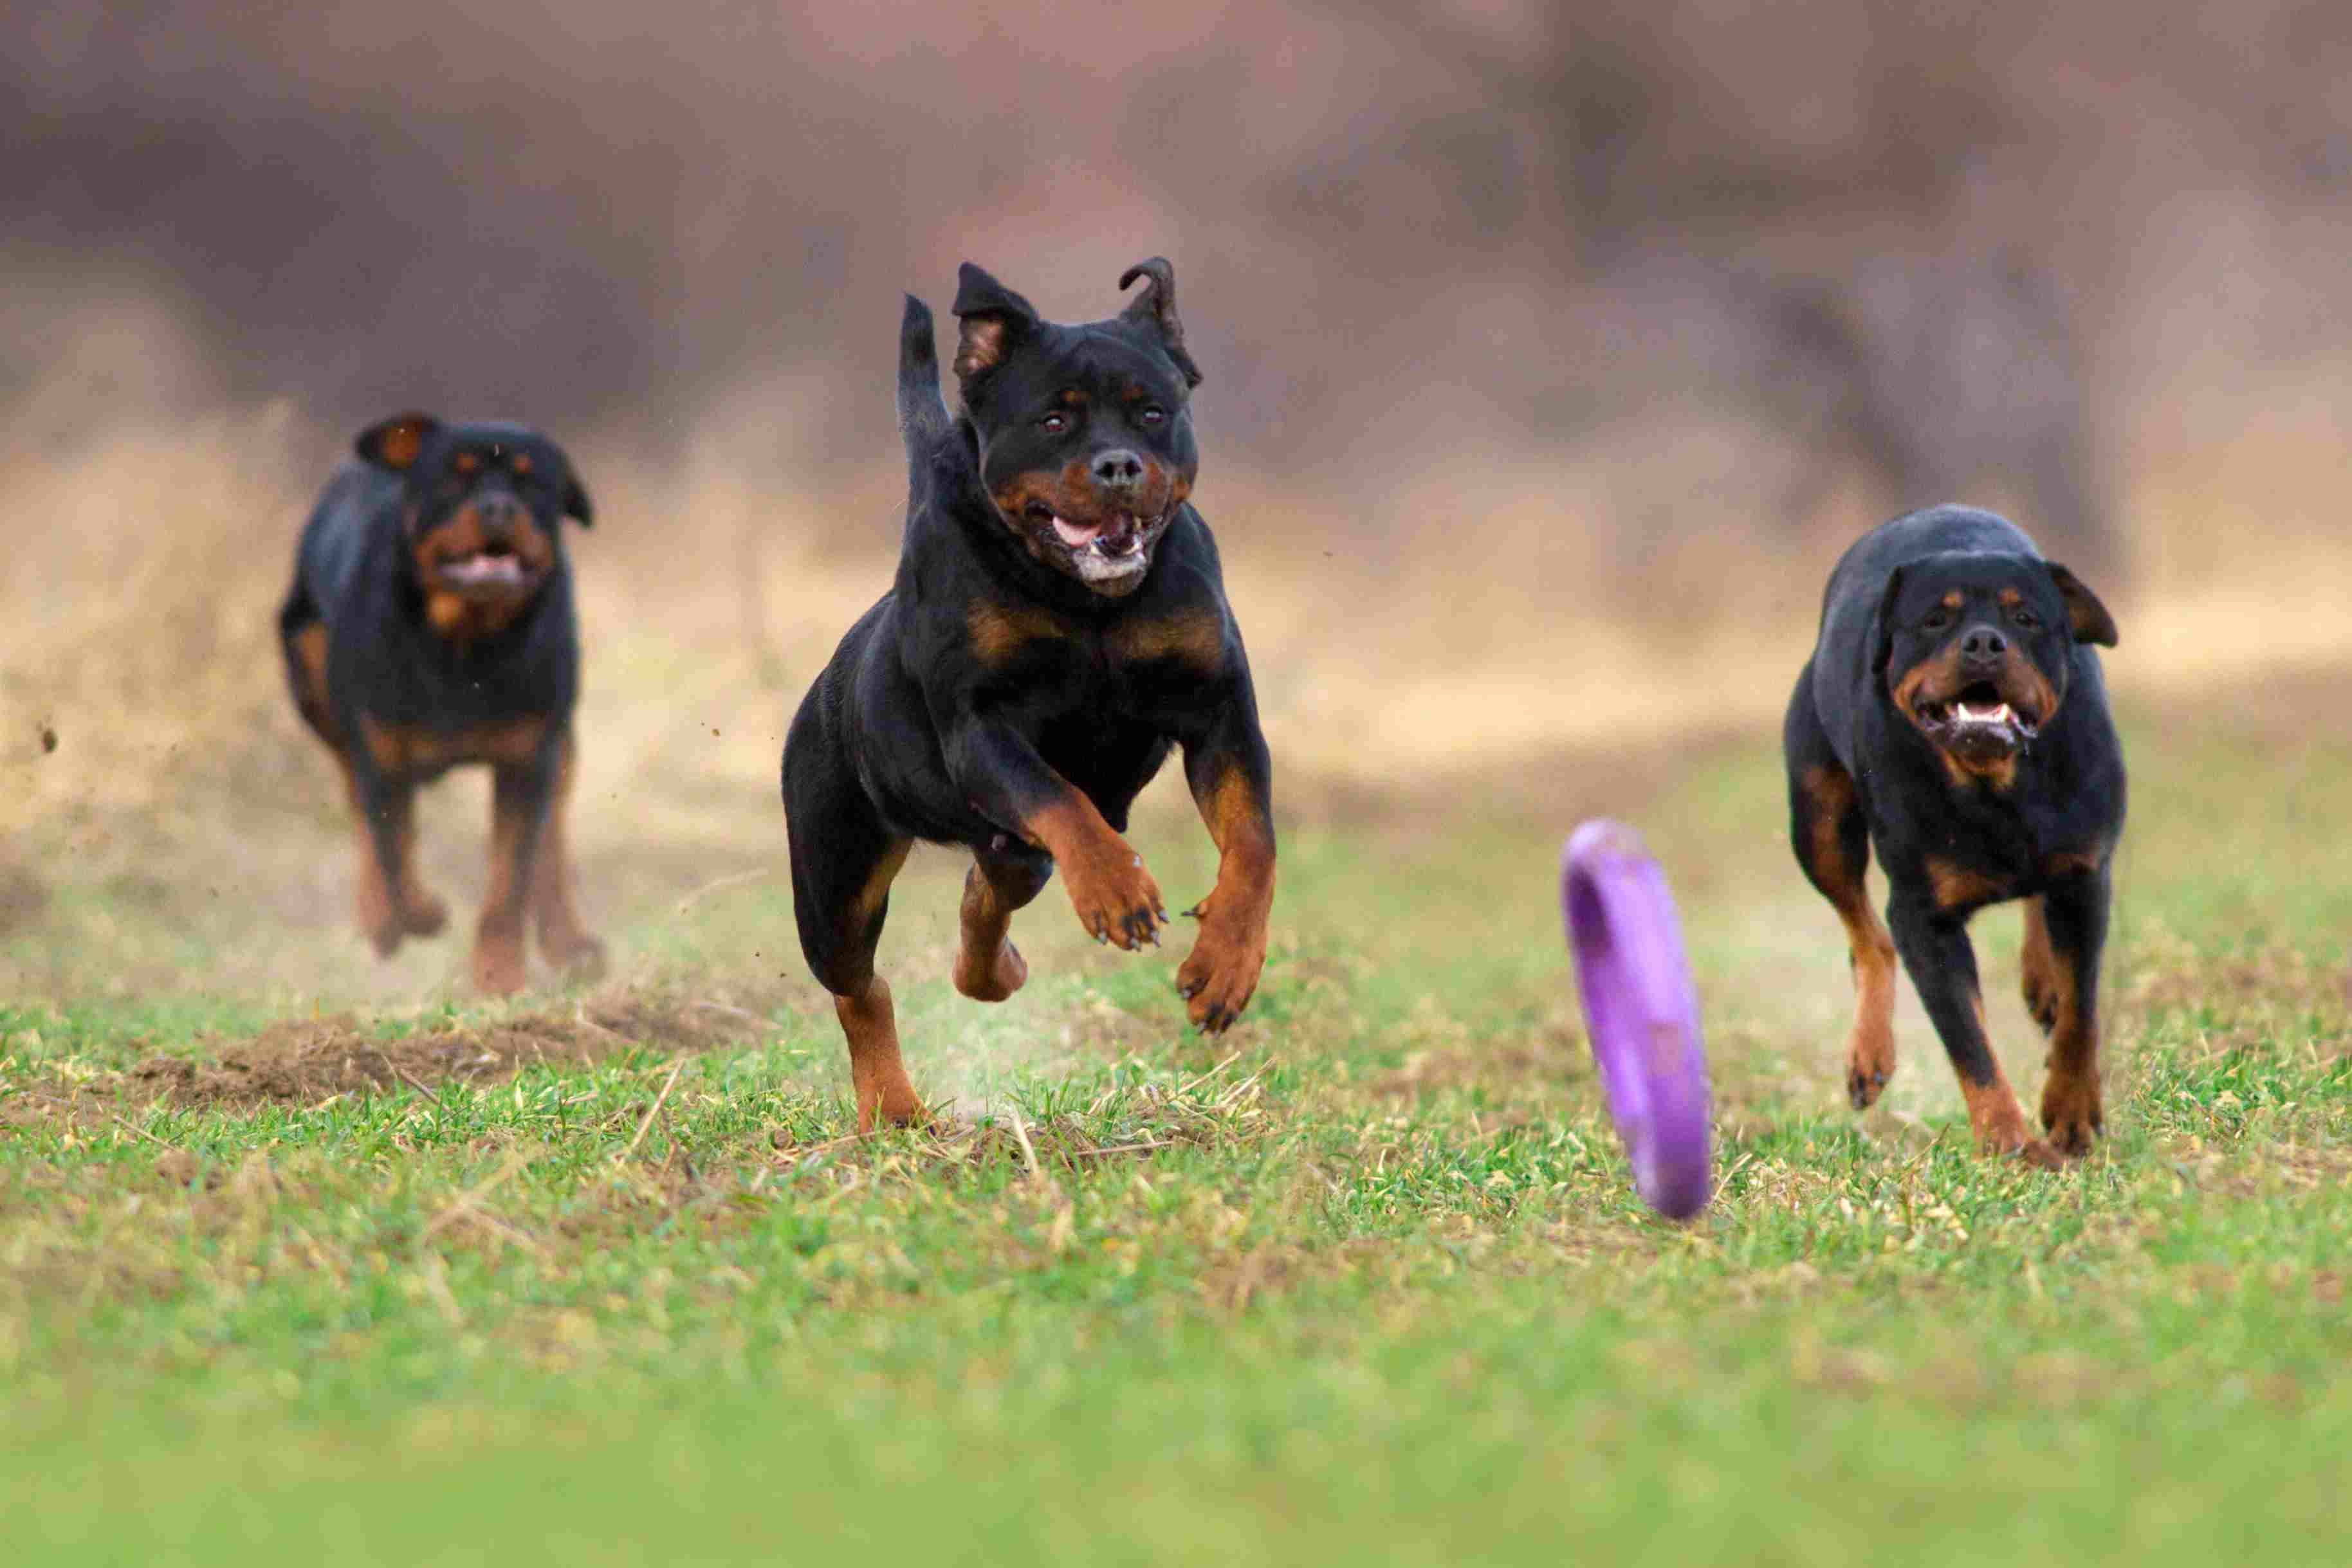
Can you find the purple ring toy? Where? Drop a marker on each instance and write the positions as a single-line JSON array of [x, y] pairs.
[[1641, 1011]]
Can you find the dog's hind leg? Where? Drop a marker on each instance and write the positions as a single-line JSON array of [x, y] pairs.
[[1005, 876], [1831, 838], [843, 857]]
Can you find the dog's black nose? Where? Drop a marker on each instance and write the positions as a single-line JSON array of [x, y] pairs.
[[1121, 468], [499, 515], [1983, 643]]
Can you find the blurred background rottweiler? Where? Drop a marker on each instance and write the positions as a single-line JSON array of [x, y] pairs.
[[431, 624]]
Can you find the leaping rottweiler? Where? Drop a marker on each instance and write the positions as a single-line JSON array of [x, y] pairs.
[[1058, 624]]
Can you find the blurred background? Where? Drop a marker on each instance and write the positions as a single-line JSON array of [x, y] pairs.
[[1553, 352]]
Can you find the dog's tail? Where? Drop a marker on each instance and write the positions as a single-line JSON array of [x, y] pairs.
[[922, 412]]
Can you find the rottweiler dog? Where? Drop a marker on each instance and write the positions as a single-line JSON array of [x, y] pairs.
[[430, 624], [1058, 624], [1953, 717]]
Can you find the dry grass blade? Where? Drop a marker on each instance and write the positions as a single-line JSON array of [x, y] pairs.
[[1020, 1132], [144, 1133], [418, 1084], [719, 884], [1188, 1087], [655, 1110]]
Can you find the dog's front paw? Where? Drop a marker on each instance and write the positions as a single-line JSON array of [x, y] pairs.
[[1869, 1063], [1114, 898], [2041, 993], [2071, 1112], [497, 960], [578, 956], [1221, 975], [423, 914], [379, 918]]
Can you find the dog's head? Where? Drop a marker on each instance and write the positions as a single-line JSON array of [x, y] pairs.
[[1975, 650], [480, 510], [1086, 438]]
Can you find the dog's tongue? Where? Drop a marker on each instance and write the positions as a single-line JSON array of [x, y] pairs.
[[1116, 535]]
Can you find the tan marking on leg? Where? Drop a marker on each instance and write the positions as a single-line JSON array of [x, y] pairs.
[[2071, 1109], [1870, 948], [311, 651], [1219, 976], [566, 941], [1996, 1117], [876, 1069], [498, 967], [1116, 899], [988, 968], [2038, 978]]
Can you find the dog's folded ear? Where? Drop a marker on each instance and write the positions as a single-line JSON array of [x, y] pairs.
[[394, 442], [1155, 307], [994, 320], [1882, 625], [2085, 613], [575, 502]]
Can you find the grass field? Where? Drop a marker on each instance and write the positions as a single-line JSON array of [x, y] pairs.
[[304, 1255]]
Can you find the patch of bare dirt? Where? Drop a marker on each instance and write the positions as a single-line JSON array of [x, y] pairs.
[[303, 1060]]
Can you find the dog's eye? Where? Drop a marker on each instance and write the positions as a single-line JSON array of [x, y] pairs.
[[1937, 619], [2026, 620], [1155, 415], [1054, 424]]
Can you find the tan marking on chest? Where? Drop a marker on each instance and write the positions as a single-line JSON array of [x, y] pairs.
[[998, 632], [1957, 886], [2076, 862], [403, 749], [1192, 637], [2000, 772]]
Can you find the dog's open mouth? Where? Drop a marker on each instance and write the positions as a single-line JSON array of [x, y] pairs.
[[493, 569], [1112, 547], [1978, 721]]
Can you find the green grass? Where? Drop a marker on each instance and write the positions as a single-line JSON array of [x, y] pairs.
[[1364, 1281]]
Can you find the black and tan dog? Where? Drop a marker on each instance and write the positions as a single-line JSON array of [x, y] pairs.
[[431, 624], [1057, 626], [1953, 717]]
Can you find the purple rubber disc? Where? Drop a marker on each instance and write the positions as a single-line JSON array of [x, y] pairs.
[[1641, 1011]]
